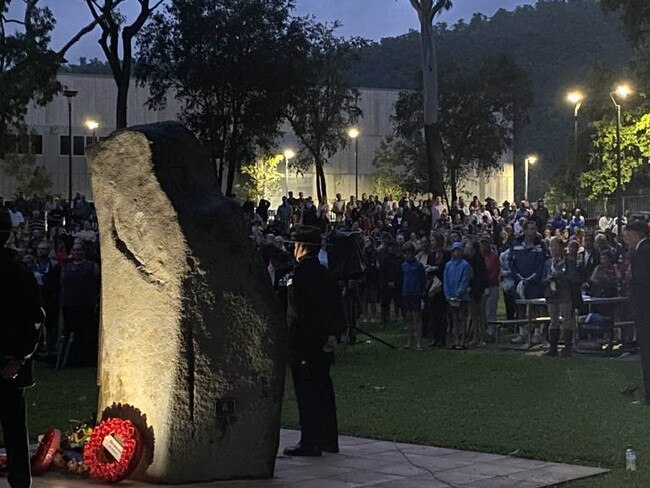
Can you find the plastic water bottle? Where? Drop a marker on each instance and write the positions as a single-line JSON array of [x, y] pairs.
[[630, 460]]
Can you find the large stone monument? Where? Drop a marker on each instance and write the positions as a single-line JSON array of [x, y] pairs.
[[192, 336]]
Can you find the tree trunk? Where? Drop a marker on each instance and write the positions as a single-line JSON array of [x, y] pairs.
[[122, 99], [213, 161], [220, 173], [232, 167], [435, 173], [321, 184], [318, 189], [453, 184]]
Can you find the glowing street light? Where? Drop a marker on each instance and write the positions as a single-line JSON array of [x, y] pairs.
[[92, 126], [530, 159], [354, 133], [576, 98], [288, 154], [622, 91]]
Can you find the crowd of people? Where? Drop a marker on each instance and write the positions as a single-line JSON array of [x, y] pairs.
[[443, 268], [61, 249]]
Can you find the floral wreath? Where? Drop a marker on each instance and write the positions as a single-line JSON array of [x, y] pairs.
[[45, 452], [102, 465]]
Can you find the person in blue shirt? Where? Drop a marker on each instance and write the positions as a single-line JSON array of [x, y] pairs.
[[414, 280], [456, 288], [576, 223], [558, 223]]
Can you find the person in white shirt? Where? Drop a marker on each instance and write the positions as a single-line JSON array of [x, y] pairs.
[[605, 222], [519, 226], [17, 218], [462, 206], [338, 207]]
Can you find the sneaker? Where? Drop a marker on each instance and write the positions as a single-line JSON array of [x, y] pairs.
[[517, 340], [407, 346]]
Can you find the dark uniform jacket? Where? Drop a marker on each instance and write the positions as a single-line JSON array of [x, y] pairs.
[[20, 311], [314, 310], [640, 283]]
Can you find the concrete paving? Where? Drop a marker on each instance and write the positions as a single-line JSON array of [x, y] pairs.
[[380, 464]]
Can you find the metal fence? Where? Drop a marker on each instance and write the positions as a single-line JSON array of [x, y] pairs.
[[637, 204]]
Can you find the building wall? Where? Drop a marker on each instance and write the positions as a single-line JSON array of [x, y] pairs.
[[96, 100]]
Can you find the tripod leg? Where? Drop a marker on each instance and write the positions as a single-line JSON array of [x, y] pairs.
[[381, 341]]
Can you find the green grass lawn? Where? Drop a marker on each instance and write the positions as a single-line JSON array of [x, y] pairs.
[[567, 410]]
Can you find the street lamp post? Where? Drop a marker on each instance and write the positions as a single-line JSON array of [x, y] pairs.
[[288, 154], [622, 91], [576, 98], [69, 94], [529, 160], [354, 133], [92, 126]]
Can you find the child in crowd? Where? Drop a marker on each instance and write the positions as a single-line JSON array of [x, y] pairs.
[[413, 286], [456, 284], [561, 276]]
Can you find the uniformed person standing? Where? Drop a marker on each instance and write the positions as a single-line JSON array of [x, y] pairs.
[[316, 320], [20, 311]]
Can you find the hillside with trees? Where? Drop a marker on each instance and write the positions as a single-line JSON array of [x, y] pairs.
[[556, 42]]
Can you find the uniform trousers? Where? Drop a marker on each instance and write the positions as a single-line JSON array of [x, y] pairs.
[[643, 339], [14, 428], [316, 402]]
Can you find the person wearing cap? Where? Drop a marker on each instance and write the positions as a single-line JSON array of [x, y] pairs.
[[316, 319], [541, 216], [456, 289], [636, 235], [19, 337], [414, 280]]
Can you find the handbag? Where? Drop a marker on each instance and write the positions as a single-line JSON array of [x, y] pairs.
[[436, 287]]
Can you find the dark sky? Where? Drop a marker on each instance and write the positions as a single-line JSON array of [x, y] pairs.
[[372, 19]]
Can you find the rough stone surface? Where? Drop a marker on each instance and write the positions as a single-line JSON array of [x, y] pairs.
[[189, 318]]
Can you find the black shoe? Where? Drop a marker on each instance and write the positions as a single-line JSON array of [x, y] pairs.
[[304, 451], [333, 449]]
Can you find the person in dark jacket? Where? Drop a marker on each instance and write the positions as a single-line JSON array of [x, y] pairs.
[[636, 235], [48, 277], [541, 216], [478, 285], [19, 336], [390, 281], [527, 258], [561, 275], [437, 301], [80, 290], [316, 319]]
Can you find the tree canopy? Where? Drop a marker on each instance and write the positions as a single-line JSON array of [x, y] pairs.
[[28, 66], [233, 64], [478, 109], [555, 42], [326, 105]]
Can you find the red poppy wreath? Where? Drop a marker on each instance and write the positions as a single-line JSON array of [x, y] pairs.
[[45, 452], [113, 451]]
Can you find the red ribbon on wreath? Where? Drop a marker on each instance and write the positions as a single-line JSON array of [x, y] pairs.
[[45, 452], [101, 464]]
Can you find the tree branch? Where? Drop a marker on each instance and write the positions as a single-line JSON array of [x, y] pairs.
[[92, 5]]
